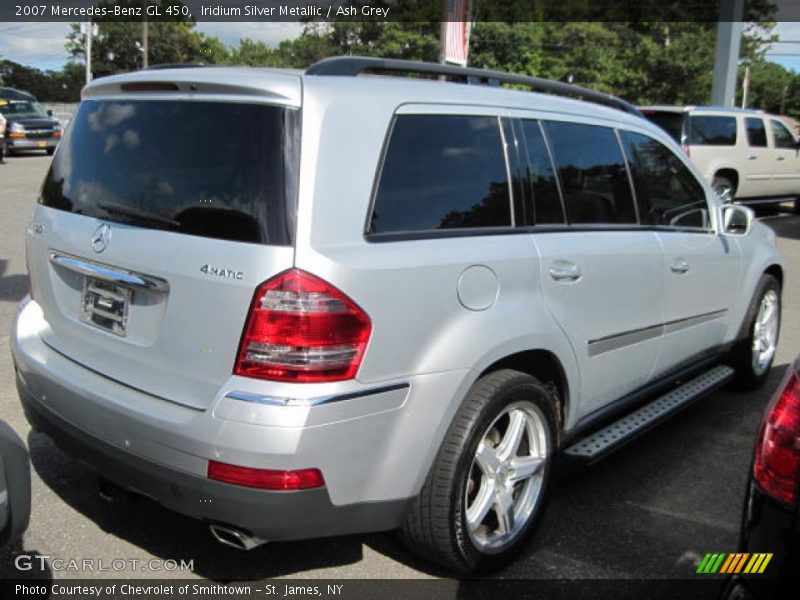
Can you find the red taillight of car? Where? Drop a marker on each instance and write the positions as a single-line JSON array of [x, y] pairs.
[[266, 479], [301, 328], [777, 462]]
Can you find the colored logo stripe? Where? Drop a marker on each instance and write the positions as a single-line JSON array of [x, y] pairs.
[[737, 562]]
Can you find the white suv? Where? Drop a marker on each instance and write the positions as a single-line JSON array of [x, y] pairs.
[[305, 304], [746, 155]]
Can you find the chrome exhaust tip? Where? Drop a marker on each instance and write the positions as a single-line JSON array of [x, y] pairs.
[[235, 538]]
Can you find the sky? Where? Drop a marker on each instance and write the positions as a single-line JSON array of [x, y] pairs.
[[41, 45]]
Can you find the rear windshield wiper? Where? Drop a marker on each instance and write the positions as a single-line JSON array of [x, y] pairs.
[[139, 215]]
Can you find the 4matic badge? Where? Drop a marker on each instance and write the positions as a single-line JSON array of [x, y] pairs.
[[219, 272]]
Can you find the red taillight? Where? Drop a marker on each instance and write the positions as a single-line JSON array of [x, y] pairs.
[[777, 462], [302, 329], [266, 479]]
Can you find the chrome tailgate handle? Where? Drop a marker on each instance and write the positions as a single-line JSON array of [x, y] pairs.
[[110, 274]]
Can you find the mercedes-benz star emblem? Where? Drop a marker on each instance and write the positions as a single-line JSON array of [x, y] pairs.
[[101, 237]]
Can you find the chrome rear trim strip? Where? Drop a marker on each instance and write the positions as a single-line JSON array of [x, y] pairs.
[[110, 274], [286, 401]]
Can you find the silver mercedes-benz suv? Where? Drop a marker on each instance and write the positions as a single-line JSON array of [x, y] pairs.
[[300, 304]]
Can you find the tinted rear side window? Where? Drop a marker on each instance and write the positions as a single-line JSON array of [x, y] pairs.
[[667, 192], [756, 132], [546, 205], [219, 170], [442, 172], [671, 122], [712, 131], [592, 171]]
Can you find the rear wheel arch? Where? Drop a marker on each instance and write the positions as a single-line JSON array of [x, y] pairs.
[[544, 366]]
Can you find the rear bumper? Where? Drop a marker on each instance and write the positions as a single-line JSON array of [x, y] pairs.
[[374, 450], [273, 516]]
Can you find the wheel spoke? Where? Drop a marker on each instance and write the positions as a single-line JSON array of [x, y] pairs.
[[482, 504], [516, 428], [504, 508], [487, 459], [768, 312], [524, 467]]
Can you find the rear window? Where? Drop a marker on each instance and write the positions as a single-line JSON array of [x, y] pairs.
[[442, 172], [212, 169], [592, 171], [756, 132], [546, 205], [712, 131], [671, 122]]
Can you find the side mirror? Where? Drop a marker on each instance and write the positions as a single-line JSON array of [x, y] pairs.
[[49, 113], [735, 219]]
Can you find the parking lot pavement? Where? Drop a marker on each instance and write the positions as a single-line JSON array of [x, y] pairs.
[[651, 510]]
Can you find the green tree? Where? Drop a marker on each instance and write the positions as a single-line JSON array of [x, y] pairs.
[[117, 46], [47, 86], [772, 88]]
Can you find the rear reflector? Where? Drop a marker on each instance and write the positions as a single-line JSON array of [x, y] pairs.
[[266, 479], [301, 328], [776, 467]]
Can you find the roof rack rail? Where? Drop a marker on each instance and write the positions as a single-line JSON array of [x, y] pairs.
[[174, 66], [352, 66]]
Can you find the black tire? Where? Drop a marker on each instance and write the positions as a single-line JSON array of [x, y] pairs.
[[51, 151], [797, 205], [436, 525], [724, 188], [748, 375]]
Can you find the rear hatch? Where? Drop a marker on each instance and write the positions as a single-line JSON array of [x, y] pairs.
[[171, 197]]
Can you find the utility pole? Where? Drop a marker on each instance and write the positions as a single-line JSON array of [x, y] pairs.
[[145, 43], [783, 99], [87, 28], [745, 86], [726, 56], [443, 37]]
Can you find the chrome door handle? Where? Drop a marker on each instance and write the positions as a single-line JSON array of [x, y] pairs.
[[781, 158], [751, 157], [679, 266], [563, 270]]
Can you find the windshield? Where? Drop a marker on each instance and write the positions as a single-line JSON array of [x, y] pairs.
[[216, 169], [21, 109]]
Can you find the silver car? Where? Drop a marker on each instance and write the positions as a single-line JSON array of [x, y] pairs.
[[302, 304]]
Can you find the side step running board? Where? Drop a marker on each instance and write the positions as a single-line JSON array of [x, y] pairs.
[[609, 438]]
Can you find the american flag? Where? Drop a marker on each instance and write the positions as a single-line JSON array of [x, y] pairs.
[[456, 31]]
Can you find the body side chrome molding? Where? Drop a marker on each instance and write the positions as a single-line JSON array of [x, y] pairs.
[[626, 338]]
